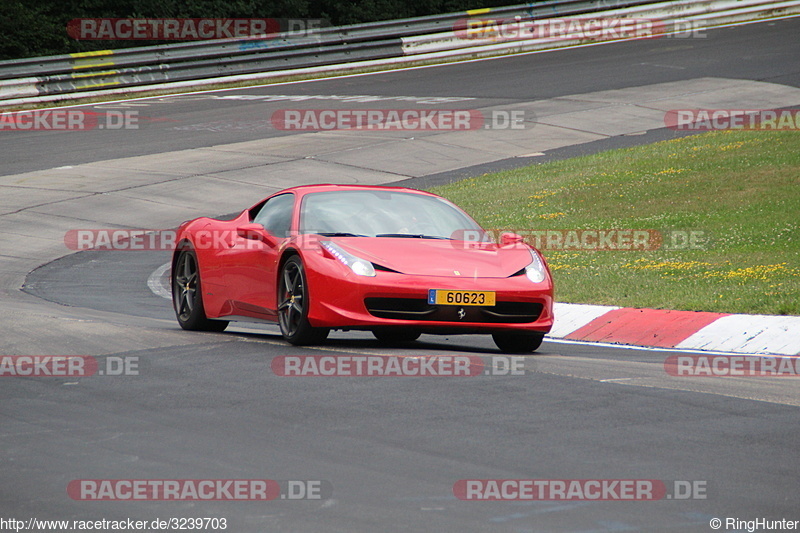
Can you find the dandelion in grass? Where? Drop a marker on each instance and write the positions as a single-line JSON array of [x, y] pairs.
[[550, 216]]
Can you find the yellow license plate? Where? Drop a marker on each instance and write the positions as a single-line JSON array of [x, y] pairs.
[[445, 297]]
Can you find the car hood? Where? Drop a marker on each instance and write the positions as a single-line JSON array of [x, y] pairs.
[[434, 257]]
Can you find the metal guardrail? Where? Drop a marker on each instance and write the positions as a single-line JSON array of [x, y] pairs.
[[668, 18], [224, 57], [414, 38], [374, 31]]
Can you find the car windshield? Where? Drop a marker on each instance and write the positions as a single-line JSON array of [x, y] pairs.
[[390, 214]]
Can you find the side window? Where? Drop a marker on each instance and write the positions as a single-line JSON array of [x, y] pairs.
[[276, 215]]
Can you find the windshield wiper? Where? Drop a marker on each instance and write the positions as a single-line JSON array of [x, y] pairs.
[[340, 234], [411, 236]]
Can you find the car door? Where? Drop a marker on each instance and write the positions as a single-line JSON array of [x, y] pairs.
[[252, 262]]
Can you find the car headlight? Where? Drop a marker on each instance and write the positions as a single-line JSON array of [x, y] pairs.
[[360, 267], [536, 270]]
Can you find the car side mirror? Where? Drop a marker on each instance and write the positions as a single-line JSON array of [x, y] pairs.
[[509, 239], [256, 232]]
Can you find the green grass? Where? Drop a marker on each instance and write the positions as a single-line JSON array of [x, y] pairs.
[[742, 189]]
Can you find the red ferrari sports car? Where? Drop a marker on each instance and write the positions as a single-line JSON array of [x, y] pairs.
[[395, 261]]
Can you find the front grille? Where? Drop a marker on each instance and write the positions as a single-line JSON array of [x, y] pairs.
[[420, 309]]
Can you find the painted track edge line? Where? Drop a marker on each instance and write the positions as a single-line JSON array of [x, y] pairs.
[[661, 349], [154, 282]]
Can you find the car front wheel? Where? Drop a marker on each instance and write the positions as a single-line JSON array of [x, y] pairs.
[[293, 305]]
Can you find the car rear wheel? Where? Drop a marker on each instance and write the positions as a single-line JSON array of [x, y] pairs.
[[395, 336], [187, 295], [518, 342], [293, 305]]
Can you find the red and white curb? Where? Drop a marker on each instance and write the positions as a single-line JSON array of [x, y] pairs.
[[748, 334]]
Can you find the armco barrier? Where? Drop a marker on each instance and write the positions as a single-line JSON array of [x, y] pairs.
[[141, 66], [672, 17], [278, 44], [166, 68]]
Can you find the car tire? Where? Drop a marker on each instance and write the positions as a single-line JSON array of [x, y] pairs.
[[187, 295], [293, 305], [518, 342], [395, 336]]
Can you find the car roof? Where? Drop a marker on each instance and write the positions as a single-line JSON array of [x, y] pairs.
[[324, 187], [302, 190]]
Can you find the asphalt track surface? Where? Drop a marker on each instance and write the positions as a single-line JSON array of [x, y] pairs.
[[207, 406], [761, 52]]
